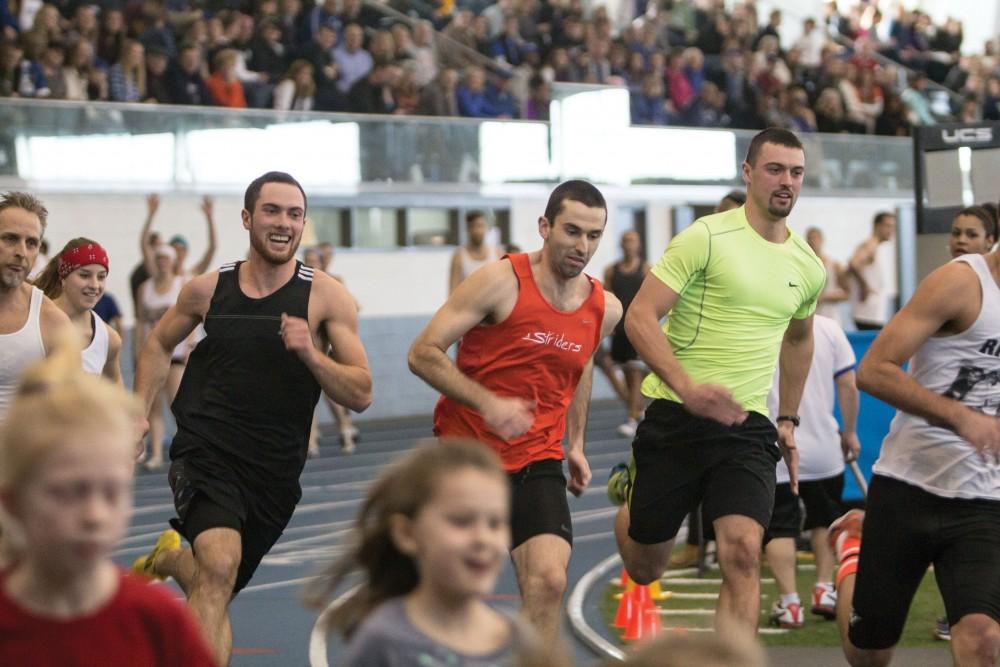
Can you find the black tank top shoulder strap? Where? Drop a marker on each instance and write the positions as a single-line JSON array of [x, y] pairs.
[[304, 272]]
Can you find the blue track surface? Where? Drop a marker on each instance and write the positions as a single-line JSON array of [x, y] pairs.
[[270, 626]]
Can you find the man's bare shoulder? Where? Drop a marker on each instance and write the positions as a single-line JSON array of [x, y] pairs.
[[330, 289], [495, 280], [948, 286], [51, 315], [491, 291], [196, 295]]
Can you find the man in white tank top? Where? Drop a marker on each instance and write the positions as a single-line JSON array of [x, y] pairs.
[[30, 324], [935, 495], [476, 252], [869, 296]]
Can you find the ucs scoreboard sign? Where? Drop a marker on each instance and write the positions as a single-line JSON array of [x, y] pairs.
[[955, 165]]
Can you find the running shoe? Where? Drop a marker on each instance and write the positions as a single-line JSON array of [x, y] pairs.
[[627, 430], [789, 618], [849, 524], [686, 556], [620, 483], [824, 602], [942, 630], [168, 540]]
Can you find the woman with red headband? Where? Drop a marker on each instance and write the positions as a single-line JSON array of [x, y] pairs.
[[75, 280]]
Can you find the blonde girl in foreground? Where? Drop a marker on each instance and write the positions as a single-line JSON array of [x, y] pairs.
[[66, 460], [430, 541]]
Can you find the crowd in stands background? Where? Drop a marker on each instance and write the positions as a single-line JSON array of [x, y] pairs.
[[685, 62]]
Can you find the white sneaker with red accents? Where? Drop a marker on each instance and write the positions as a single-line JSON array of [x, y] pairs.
[[824, 602], [789, 617]]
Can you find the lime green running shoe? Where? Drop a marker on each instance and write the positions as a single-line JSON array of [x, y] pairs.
[[620, 482], [143, 566]]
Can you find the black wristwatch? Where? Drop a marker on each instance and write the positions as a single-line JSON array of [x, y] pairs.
[[789, 418]]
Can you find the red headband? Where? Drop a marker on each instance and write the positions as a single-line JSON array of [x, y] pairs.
[[82, 255]]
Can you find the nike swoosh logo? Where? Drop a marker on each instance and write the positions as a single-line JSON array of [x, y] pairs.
[[791, 284]]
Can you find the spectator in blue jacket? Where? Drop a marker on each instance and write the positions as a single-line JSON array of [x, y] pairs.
[[471, 94], [649, 104]]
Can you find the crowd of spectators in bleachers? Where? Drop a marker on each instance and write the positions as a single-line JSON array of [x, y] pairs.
[[685, 62]]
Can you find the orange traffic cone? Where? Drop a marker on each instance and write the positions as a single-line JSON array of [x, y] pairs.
[[641, 623], [623, 581], [635, 627], [651, 622], [642, 598], [626, 610]]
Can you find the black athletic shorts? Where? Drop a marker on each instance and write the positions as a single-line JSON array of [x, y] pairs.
[[538, 504], [907, 529], [821, 498], [682, 460], [622, 351], [208, 494]]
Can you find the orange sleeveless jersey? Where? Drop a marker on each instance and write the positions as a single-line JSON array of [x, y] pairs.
[[538, 354]]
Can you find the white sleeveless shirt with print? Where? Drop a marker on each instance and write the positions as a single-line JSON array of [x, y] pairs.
[[965, 367]]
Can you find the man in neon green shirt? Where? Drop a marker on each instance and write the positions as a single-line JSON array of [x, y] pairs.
[[740, 289]]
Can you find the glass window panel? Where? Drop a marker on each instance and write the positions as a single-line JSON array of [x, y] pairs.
[[375, 227], [326, 227], [430, 226]]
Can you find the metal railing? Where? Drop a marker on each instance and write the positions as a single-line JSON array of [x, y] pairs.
[[108, 146]]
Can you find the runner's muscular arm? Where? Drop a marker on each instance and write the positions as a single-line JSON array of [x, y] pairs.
[[794, 361], [176, 325], [342, 372], [942, 298], [487, 292], [576, 417], [642, 325]]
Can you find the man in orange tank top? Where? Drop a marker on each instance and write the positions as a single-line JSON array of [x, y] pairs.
[[529, 325]]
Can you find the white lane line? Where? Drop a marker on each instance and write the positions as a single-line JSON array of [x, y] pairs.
[[277, 584], [606, 535], [685, 581], [681, 572], [574, 609], [761, 631], [321, 630], [670, 595]]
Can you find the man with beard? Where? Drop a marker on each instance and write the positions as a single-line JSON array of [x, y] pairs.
[[30, 323], [245, 405], [740, 289], [529, 325]]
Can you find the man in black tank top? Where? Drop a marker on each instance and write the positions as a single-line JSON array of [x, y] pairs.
[[244, 408], [623, 279]]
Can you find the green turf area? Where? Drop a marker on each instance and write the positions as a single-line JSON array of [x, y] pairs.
[[926, 607]]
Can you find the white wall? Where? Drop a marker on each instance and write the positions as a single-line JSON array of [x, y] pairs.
[[413, 281]]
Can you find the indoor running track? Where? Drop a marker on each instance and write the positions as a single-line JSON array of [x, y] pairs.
[[272, 628]]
